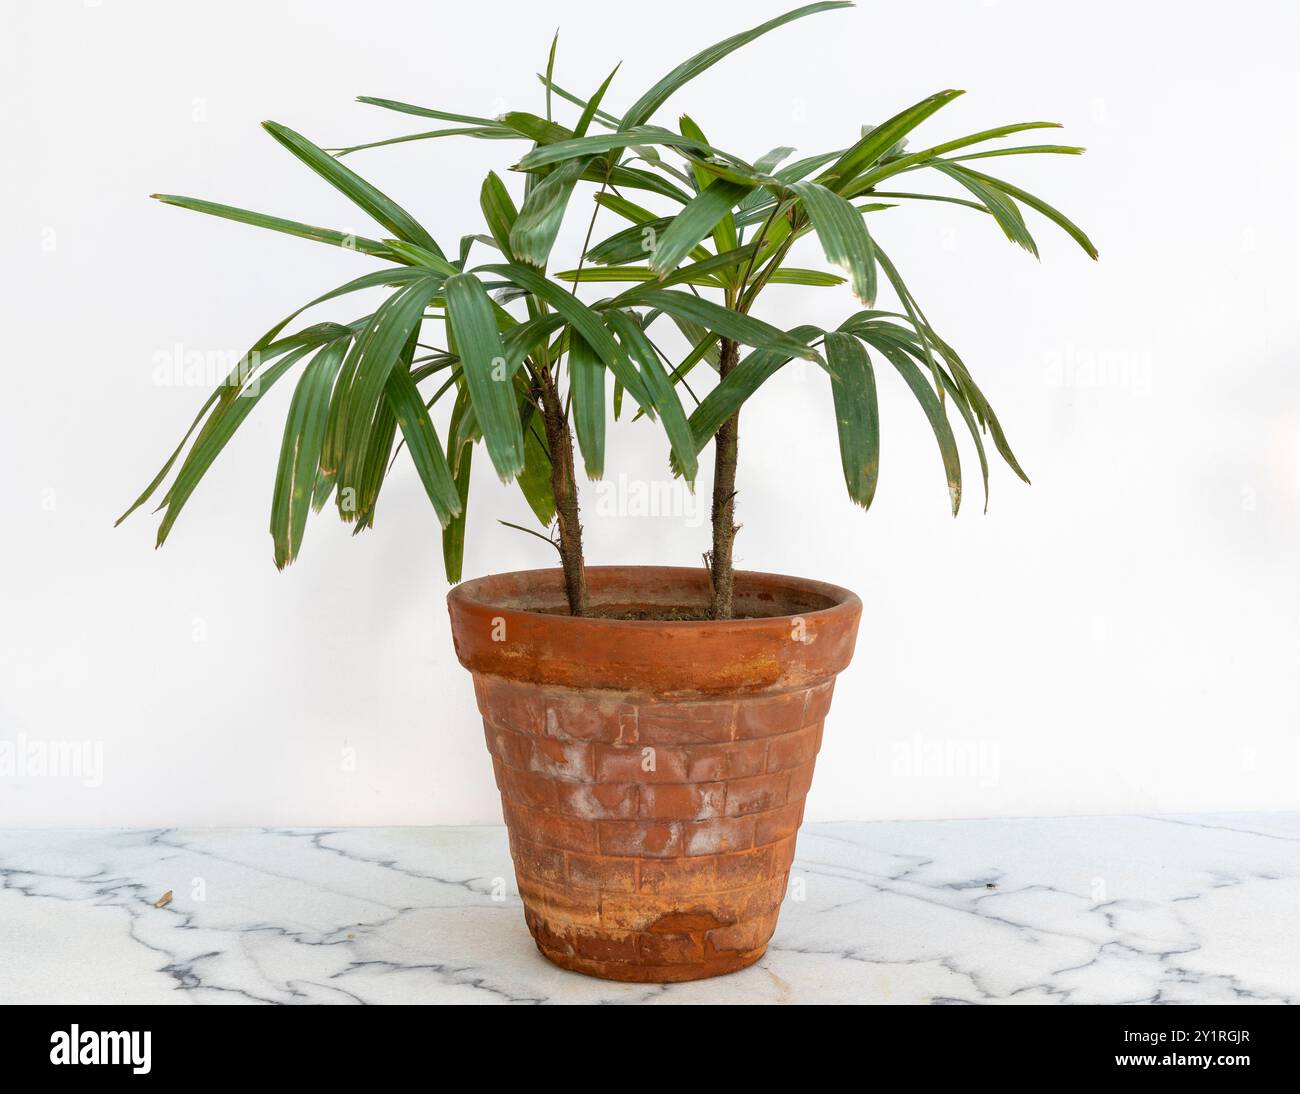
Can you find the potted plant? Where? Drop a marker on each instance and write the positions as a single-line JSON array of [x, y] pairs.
[[653, 730]]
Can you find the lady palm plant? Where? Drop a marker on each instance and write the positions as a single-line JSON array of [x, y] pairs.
[[706, 233]]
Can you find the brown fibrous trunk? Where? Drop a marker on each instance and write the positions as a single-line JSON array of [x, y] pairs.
[[564, 488], [725, 447]]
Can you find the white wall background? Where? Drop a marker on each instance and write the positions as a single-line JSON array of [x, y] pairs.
[[1120, 637]]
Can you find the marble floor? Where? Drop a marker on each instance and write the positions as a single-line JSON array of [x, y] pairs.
[[1067, 910]]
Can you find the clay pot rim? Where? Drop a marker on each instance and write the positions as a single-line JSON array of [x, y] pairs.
[[472, 594]]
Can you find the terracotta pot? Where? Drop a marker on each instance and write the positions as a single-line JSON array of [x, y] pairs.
[[652, 774]]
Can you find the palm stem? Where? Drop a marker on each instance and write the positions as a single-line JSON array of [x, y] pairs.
[[564, 489], [726, 444]]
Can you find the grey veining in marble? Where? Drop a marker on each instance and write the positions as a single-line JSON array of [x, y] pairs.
[[1081, 910]]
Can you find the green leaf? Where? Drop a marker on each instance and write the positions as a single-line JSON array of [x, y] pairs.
[[232, 407], [629, 244], [300, 450], [533, 234], [924, 158], [372, 358], [914, 315], [958, 396], [593, 104], [391, 278], [423, 444], [844, 236], [629, 210], [794, 275], [724, 232], [469, 309], [708, 272], [603, 116], [414, 255], [365, 470], [424, 111], [728, 167], [645, 153], [460, 457], [600, 143], [587, 385], [550, 70], [934, 412], [608, 273], [768, 161], [800, 169], [696, 220], [746, 378], [212, 399], [857, 416], [535, 482], [524, 338], [876, 142], [481, 132], [632, 178], [345, 240], [979, 404], [334, 449], [727, 323], [583, 320], [499, 211], [1004, 210], [221, 397], [970, 400], [377, 204], [640, 111], [635, 243], [1022, 150], [1054, 215], [704, 347], [928, 197], [665, 398], [894, 335], [713, 272], [534, 128]]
